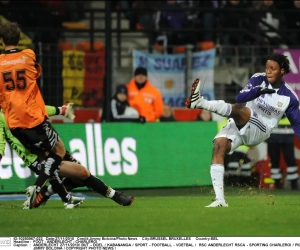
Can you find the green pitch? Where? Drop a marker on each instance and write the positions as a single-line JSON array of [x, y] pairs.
[[169, 212]]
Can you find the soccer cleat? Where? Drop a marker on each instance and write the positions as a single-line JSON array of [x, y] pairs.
[[41, 198], [217, 203], [67, 110], [74, 202], [44, 199], [31, 195], [195, 96], [123, 199], [26, 203], [35, 199]]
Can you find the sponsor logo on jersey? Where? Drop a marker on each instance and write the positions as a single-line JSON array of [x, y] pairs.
[[279, 104], [14, 62]]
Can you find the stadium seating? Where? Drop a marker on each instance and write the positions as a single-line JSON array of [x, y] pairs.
[[65, 45], [206, 45], [86, 46]]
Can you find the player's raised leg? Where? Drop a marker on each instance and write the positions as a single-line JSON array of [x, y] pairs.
[[196, 101]]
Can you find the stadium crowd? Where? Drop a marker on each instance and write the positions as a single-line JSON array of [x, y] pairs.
[[272, 17]]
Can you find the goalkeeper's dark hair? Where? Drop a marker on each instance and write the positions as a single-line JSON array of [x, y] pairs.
[[282, 61], [10, 33]]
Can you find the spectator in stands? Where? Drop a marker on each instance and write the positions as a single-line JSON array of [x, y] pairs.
[[144, 97], [35, 20], [270, 21], [204, 116], [168, 114], [69, 11], [236, 17], [74, 10], [144, 14], [292, 22], [120, 110], [172, 17], [209, 19]]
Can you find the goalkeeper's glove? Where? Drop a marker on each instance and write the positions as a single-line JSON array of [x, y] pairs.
[[67, 110], [265, 91]]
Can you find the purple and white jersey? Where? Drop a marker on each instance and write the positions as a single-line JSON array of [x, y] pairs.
[[271, 107]]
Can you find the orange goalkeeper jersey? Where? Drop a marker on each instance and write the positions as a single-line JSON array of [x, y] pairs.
[[20, 97]]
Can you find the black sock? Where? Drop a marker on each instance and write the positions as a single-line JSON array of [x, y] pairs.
[[41, 180], [70, 184], [96, 185], [59, 188]]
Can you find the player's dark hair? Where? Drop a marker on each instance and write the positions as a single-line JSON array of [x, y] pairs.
[[282, 61], [10, 33]]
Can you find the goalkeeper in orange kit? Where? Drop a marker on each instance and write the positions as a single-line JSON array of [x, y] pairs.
[[25, 112], [24, 107], [77, 175]]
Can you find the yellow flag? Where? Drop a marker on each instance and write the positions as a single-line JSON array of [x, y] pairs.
[[73, 76]]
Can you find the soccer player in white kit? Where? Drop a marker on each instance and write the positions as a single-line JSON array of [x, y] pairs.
[[257, 111]]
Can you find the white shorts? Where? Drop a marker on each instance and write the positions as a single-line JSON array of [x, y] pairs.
[[253, 133]]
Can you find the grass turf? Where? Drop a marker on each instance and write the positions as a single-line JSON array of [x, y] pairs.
[[171, 212]]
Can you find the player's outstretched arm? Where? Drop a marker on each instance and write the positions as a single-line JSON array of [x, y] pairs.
[[65, 110]]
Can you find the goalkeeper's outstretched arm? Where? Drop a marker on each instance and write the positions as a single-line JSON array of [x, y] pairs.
[[65, 110], [16, 145]]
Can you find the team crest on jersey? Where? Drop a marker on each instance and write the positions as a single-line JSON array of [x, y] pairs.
[[279, 104]]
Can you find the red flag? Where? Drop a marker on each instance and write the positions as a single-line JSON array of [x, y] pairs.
[[94, 78]]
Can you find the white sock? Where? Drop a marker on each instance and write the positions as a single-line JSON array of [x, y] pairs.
[[110, 192], [217, 176], [60, 110], [218, 107]]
